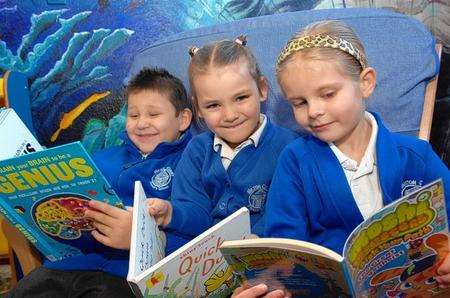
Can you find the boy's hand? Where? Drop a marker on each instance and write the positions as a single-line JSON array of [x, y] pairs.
[[161, 210], [245, 291], [443, 272], [113, 225]]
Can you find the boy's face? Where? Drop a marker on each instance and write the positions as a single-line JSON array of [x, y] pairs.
[[151, 120], [325, 102], [229, 101]]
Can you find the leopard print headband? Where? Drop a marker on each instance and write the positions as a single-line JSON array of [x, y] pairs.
[[319, 41]]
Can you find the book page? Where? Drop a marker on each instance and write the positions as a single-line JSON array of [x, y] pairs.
[[397, 251], [15, 137], [197, 269], [299, 273], [147, 242]]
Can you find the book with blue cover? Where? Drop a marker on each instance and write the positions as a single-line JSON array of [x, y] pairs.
[[394, 253], [44, 195]]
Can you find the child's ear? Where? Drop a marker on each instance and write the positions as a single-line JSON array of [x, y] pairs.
[[185, 119], [368, 81], [263, 87]]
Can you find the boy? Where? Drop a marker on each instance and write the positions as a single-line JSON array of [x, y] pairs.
[[158, 117]]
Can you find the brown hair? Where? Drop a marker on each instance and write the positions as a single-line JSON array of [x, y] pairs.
[[160, 80], [219, 54], [337, 29]]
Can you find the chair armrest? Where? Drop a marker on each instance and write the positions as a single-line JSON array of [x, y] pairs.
[[28, 257], [428, 104]]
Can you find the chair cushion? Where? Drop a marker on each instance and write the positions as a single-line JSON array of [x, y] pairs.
[[399, 47]]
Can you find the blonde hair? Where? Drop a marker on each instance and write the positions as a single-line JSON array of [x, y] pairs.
[[335, 29], [220, 54]]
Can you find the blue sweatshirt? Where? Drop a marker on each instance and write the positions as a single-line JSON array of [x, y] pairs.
[[122, 165], [205, 193], [310, 198]]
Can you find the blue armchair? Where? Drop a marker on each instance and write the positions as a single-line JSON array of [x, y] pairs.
[[399, 47]]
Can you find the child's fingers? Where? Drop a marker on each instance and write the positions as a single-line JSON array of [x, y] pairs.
[[101, 238], [277, 294], [105, 208], [103, 229], [255, 291], [100, 217]]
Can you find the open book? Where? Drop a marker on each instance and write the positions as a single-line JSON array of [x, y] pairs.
[[196, 269], [394, 253], [44, 195]]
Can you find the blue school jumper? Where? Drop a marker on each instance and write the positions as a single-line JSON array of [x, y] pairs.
[[122, 165], [205, 193], [310, 198]]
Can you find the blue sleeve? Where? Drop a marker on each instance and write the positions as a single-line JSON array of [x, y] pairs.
[[435, 169], [191, 205], [286, 212]]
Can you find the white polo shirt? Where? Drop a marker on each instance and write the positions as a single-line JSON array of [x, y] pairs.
[[227, 153], [363, 178]]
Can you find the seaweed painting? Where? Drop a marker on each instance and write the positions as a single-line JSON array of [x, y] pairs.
[[53, 84]]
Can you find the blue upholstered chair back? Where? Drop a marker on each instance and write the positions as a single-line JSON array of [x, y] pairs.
[[400, 48]]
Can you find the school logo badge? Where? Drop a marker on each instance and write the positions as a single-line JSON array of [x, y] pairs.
[[161, 178], [409, 186], [257, 197]]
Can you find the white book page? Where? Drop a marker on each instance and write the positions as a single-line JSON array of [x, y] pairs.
[[15, 137], [147, 242]]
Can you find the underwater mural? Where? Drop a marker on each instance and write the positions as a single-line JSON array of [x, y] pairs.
[[76, 53]]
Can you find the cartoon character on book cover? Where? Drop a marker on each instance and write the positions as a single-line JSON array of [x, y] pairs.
[[397, 253]]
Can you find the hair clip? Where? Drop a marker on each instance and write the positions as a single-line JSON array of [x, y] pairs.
[[241, 39], [192, 51]]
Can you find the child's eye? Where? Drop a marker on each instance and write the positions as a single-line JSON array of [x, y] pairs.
[[328, 94], [133, 116], [242, 97], [153, 114], [298, 103], [212, 106]]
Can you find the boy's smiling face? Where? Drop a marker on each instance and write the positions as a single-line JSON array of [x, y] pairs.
[[152, 119], [229, 101]]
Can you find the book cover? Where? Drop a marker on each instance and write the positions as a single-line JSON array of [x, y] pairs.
[[196, 269], [394, 253], [44, 195], [16, 139]]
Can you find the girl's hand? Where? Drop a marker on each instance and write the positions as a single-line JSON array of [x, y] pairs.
[[113, 225], [161, 210], [443, 272], [245, 291]]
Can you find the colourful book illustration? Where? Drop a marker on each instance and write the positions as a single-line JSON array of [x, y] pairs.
[[15, 137], [44, 195], [196, 269], [394, 253]]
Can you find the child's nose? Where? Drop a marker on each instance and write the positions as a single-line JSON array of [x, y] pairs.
[[142, 123], [229, 114], [315, 109]]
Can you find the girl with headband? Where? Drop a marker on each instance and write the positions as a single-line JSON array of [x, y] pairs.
[[350, 165]]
